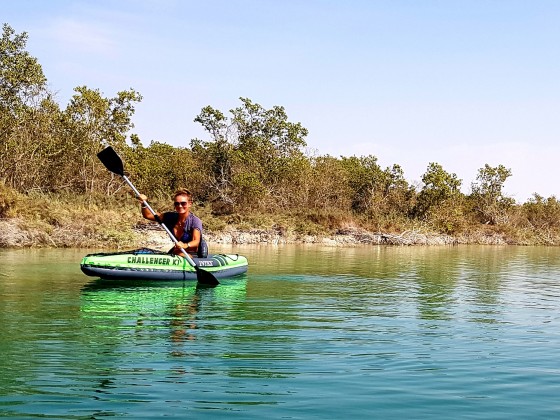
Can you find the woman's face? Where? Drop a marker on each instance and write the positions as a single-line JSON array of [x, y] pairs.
[[182, 204]]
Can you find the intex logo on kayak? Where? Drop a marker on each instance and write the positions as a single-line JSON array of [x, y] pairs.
[[205, 263], [154, 260]]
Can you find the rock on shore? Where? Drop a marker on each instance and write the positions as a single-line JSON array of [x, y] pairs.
[[343, 238], [17, 234]]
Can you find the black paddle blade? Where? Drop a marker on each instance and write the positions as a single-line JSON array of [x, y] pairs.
[[205, 278], [111, 160]]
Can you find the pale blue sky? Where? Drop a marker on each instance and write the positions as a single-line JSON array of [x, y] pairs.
[[460, 83]]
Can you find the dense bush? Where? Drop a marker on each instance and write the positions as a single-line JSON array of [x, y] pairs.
[[8, 200], [251, 163]]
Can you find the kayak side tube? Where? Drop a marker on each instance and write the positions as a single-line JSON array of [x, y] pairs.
[[154, 265]]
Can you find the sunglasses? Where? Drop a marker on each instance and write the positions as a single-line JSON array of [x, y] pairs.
[[181, 203]]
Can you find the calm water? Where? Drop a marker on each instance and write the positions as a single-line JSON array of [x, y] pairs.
[[309, 332]]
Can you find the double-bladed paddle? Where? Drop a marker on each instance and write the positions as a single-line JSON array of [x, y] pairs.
[[113, 162]]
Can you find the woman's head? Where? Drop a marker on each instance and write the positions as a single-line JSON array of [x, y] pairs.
[[184, 192], [182, 199]]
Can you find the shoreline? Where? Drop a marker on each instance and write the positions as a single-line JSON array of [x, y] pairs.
[[17, 233], [354, 237]]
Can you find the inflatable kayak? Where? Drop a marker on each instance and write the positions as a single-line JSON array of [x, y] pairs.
[[149, 264]]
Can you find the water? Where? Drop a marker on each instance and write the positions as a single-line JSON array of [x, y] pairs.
[[310, 332]]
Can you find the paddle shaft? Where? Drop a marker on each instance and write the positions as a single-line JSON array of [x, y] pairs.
[[171, 236]]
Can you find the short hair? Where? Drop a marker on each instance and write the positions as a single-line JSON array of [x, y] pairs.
[[183, 191]]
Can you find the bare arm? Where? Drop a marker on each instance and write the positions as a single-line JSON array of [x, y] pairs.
[[146, 213], [192, 245]]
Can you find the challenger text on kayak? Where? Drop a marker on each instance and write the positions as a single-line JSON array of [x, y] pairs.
[[154, 260]]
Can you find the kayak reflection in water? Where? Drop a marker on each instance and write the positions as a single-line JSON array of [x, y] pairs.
[[185, 226]]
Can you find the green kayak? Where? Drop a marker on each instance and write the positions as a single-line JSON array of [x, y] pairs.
[[149, 264]]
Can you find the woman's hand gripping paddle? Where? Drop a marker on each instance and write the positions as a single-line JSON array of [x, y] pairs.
[[113, 162]]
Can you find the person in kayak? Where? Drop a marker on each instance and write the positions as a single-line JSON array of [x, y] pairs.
[[186, 227]]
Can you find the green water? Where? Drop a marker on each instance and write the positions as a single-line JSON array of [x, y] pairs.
[[308, 333]]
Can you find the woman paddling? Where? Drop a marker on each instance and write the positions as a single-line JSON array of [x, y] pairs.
[[185, 226]]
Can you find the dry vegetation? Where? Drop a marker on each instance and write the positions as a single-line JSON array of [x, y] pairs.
[[97, 221], [251, 178]]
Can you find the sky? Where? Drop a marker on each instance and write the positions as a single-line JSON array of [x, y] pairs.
[[460, 83]]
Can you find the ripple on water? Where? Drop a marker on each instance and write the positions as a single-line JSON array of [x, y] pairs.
[[389, 333]]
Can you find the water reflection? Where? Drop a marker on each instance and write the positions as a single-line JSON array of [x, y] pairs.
[[152, 307], [346, 330], [442, 281], [183, 321]]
